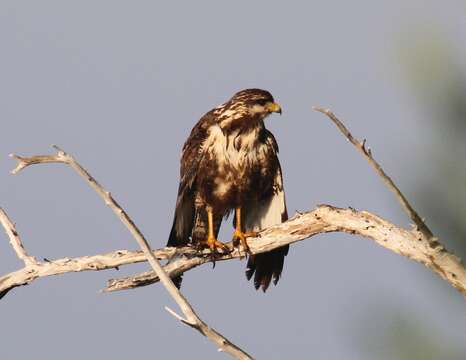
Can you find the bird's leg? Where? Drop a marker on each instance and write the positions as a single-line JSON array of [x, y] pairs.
[[239, 234], [213, 244]]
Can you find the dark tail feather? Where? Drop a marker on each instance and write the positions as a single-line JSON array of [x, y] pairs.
[[177, 281], [196, 228], [266, 266], [174, 241], [183, 220]]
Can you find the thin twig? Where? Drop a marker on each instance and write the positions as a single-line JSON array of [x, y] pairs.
[[15, 240], [366, 152], [186, 308], [177, 316], [38, 159]]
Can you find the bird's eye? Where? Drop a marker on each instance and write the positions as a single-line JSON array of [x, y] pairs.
[[261, 102]]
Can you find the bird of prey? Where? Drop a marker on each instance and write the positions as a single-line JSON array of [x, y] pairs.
[[229, 163]]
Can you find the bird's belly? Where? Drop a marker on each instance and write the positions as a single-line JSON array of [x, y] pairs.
[[233, 181], [232, 173]]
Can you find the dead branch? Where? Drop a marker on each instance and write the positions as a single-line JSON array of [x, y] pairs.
[[112, 260], [325, 218], [367, 153], [15, 240]]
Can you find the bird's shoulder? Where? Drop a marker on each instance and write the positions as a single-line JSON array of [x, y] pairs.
[[193, 146], [200, 131], [269, 140]]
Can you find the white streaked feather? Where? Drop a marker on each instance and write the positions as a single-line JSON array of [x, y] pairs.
[[224, 147]]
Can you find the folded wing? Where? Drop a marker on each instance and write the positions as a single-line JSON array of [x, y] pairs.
[[257, 215]]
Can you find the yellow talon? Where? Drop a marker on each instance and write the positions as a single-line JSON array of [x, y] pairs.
[[214, 245], [211, 241], [240, 235]]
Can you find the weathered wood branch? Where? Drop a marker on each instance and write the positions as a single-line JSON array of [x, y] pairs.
[[367, 153], [192, 319], [39, 269], [15, 240], [324, 219]]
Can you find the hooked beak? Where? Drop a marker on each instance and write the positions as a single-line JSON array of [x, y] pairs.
[[274, 107]]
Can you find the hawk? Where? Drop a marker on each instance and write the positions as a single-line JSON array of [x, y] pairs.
[[229, 163]]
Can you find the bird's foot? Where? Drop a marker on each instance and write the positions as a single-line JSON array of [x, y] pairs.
[[239, 237], [216, 246]]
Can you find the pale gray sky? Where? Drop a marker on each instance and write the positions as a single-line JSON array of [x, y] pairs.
[[120, 84]]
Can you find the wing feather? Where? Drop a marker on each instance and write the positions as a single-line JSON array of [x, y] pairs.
[[191, 157], [269, 210], [187, 217]]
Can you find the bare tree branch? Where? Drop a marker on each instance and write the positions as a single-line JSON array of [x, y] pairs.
[[192, 318], [366, 152], [38, 159], [325, 218], [110, 260], [15, 240]]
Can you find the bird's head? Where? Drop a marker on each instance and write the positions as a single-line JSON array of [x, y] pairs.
[[246, 108], [257, 102]]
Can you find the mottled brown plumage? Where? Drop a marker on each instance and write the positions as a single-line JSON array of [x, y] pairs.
[[229, 162]]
